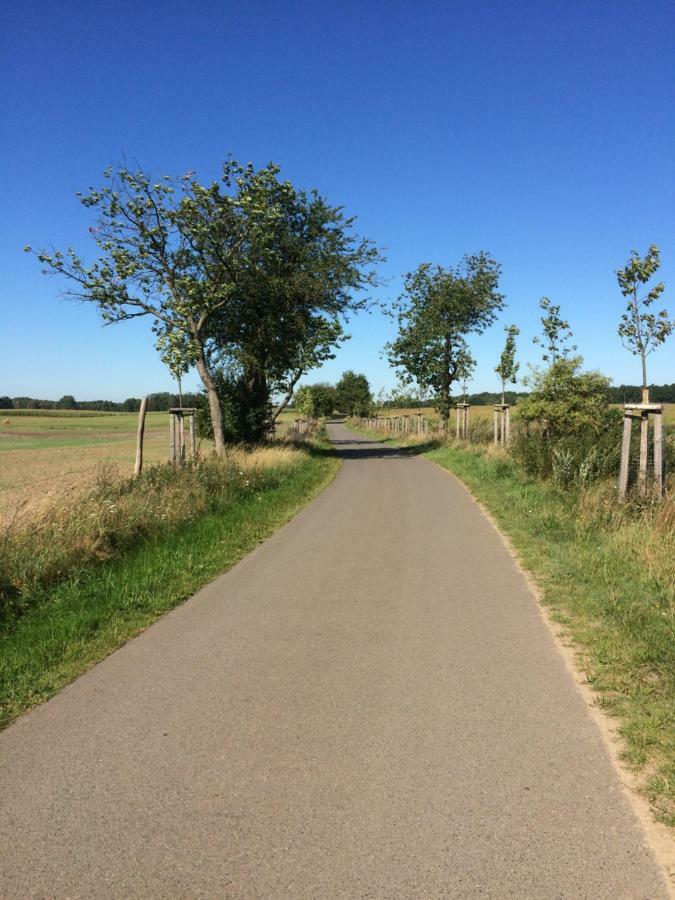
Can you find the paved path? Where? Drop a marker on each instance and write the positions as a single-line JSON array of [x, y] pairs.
[[368, 705]]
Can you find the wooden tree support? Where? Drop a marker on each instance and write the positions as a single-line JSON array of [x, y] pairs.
[[177, 416], [642, 413], [138, 466], [463, 421], [502, 424]]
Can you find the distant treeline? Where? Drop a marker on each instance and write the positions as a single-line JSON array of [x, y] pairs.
[[156, 403], [623, 393]]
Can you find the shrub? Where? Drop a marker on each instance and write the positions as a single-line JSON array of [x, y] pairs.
[[566, 427]]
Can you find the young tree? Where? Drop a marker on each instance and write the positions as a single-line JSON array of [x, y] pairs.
[[175, 355], [352, 394], [438, 308], [508, 367], [466, 365], [557, 333], [642, 331]]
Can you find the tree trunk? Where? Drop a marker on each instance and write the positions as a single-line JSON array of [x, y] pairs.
[[645, 389], [214, 404], [287, 398]]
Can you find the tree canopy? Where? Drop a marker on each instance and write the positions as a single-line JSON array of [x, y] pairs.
[[437, 310], [642, 331], [353, 395], [247, 272]]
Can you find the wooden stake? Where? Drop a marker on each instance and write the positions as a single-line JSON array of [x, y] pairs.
[[658, 452], [508, 424], [138, 467], [496, 426], [644, 449], [625, 455], [172, 438], [193, 438]]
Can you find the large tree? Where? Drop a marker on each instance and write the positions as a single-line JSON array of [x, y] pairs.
[[206, 264], [438, 308], [352, 394], [642, 331], [298, 297]]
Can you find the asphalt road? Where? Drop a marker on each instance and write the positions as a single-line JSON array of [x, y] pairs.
[[369, 705]]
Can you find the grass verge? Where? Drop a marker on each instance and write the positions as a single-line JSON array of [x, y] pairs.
[[63, 629], [607, 574]]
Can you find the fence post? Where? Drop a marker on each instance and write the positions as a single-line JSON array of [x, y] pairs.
[[658, 452], [193, 438], [644, 451], [138, 465]]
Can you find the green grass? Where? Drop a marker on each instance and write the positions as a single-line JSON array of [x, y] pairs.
[[69, 628], [608, 576]]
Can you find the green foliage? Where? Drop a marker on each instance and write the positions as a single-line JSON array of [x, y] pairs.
[[6, 403], [67, 402], [438, 308], [245, 408], [508, 367], [557, 333], [352, 394], [642, 331], [567, 428], [245, 271], [315, 400]]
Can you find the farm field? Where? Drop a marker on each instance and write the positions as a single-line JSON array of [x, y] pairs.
[[49, 453], [44, 456]]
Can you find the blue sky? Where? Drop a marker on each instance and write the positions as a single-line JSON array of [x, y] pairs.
[[541, 132]]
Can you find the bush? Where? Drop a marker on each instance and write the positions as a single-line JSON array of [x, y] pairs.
[[245, 407], [566, 429]]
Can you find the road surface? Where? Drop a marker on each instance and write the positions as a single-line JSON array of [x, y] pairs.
[[368, 705]]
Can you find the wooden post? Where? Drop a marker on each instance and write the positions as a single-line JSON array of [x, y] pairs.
[[181, 436], [138, 466], [193, 438], [658, 452], [644, 450], [458, 424], [496, 426], [172, 438], [508, 424], [625, 454]]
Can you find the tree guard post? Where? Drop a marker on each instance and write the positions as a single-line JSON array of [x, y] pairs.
[[138, 466], [177, 416], [642, 412], [502, 424], [463, 421]]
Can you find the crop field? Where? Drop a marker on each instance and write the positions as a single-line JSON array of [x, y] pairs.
[[42, 456], [47, 453]]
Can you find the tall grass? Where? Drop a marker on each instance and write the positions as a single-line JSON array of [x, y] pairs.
[[46, 547]]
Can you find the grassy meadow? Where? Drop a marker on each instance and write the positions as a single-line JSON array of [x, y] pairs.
[[607, 573]]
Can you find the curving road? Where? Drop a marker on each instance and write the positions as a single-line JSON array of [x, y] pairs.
[[369, 705]]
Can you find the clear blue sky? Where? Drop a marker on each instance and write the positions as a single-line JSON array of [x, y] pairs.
[[541, 132]]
